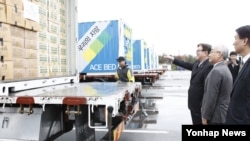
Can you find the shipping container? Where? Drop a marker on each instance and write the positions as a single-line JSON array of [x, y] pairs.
[[152, 58], [139, 61], [101, 43], [149, 61], [146, 61]]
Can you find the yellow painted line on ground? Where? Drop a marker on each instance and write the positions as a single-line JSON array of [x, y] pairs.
[[138, 131]]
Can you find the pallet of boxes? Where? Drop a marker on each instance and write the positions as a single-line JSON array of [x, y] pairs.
[[32, 39], [18, 35], [56, 37]]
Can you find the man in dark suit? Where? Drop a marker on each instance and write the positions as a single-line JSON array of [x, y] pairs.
[[218, 87], [239, 107], [200, 68], [233, 65]]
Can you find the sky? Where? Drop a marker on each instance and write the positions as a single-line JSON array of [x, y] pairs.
[[173, 27]]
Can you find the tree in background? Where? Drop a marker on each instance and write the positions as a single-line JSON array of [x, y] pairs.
[[187, 58], [191, 58], [162, 60]]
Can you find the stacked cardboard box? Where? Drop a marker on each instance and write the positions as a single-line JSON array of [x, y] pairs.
[[53, 55], [31, 56], [52, 34], [18, 45], [43, 36], [30, 47], [53, 31], [32, 24], [31, 43], [14, 12], [19, 52], [12, 52], [2, 13], [62, 40]]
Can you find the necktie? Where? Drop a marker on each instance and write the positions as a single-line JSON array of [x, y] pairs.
[[198, 65], [241, 66]]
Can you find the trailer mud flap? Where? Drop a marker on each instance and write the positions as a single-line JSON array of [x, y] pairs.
[[83, 131], [116, 131], [38, 126]]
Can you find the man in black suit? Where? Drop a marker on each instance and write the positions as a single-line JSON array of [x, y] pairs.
[[200, 69], [239, 107], [233, 65]]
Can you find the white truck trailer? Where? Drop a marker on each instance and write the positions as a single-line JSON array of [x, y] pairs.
[[40, 94]]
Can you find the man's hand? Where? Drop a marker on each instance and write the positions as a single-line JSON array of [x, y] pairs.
[[168, 57], [204, 121], [234, 62]]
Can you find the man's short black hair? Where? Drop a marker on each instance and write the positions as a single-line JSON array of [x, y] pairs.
[[121, 58], [205, 47], [244, 32], [233, 53]]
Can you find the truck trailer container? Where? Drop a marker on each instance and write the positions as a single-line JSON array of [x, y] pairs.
[[154, 63], [141, 67], [100, 44], [139, 62]]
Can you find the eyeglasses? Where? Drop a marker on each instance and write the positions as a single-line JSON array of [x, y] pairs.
[[199, 50]]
